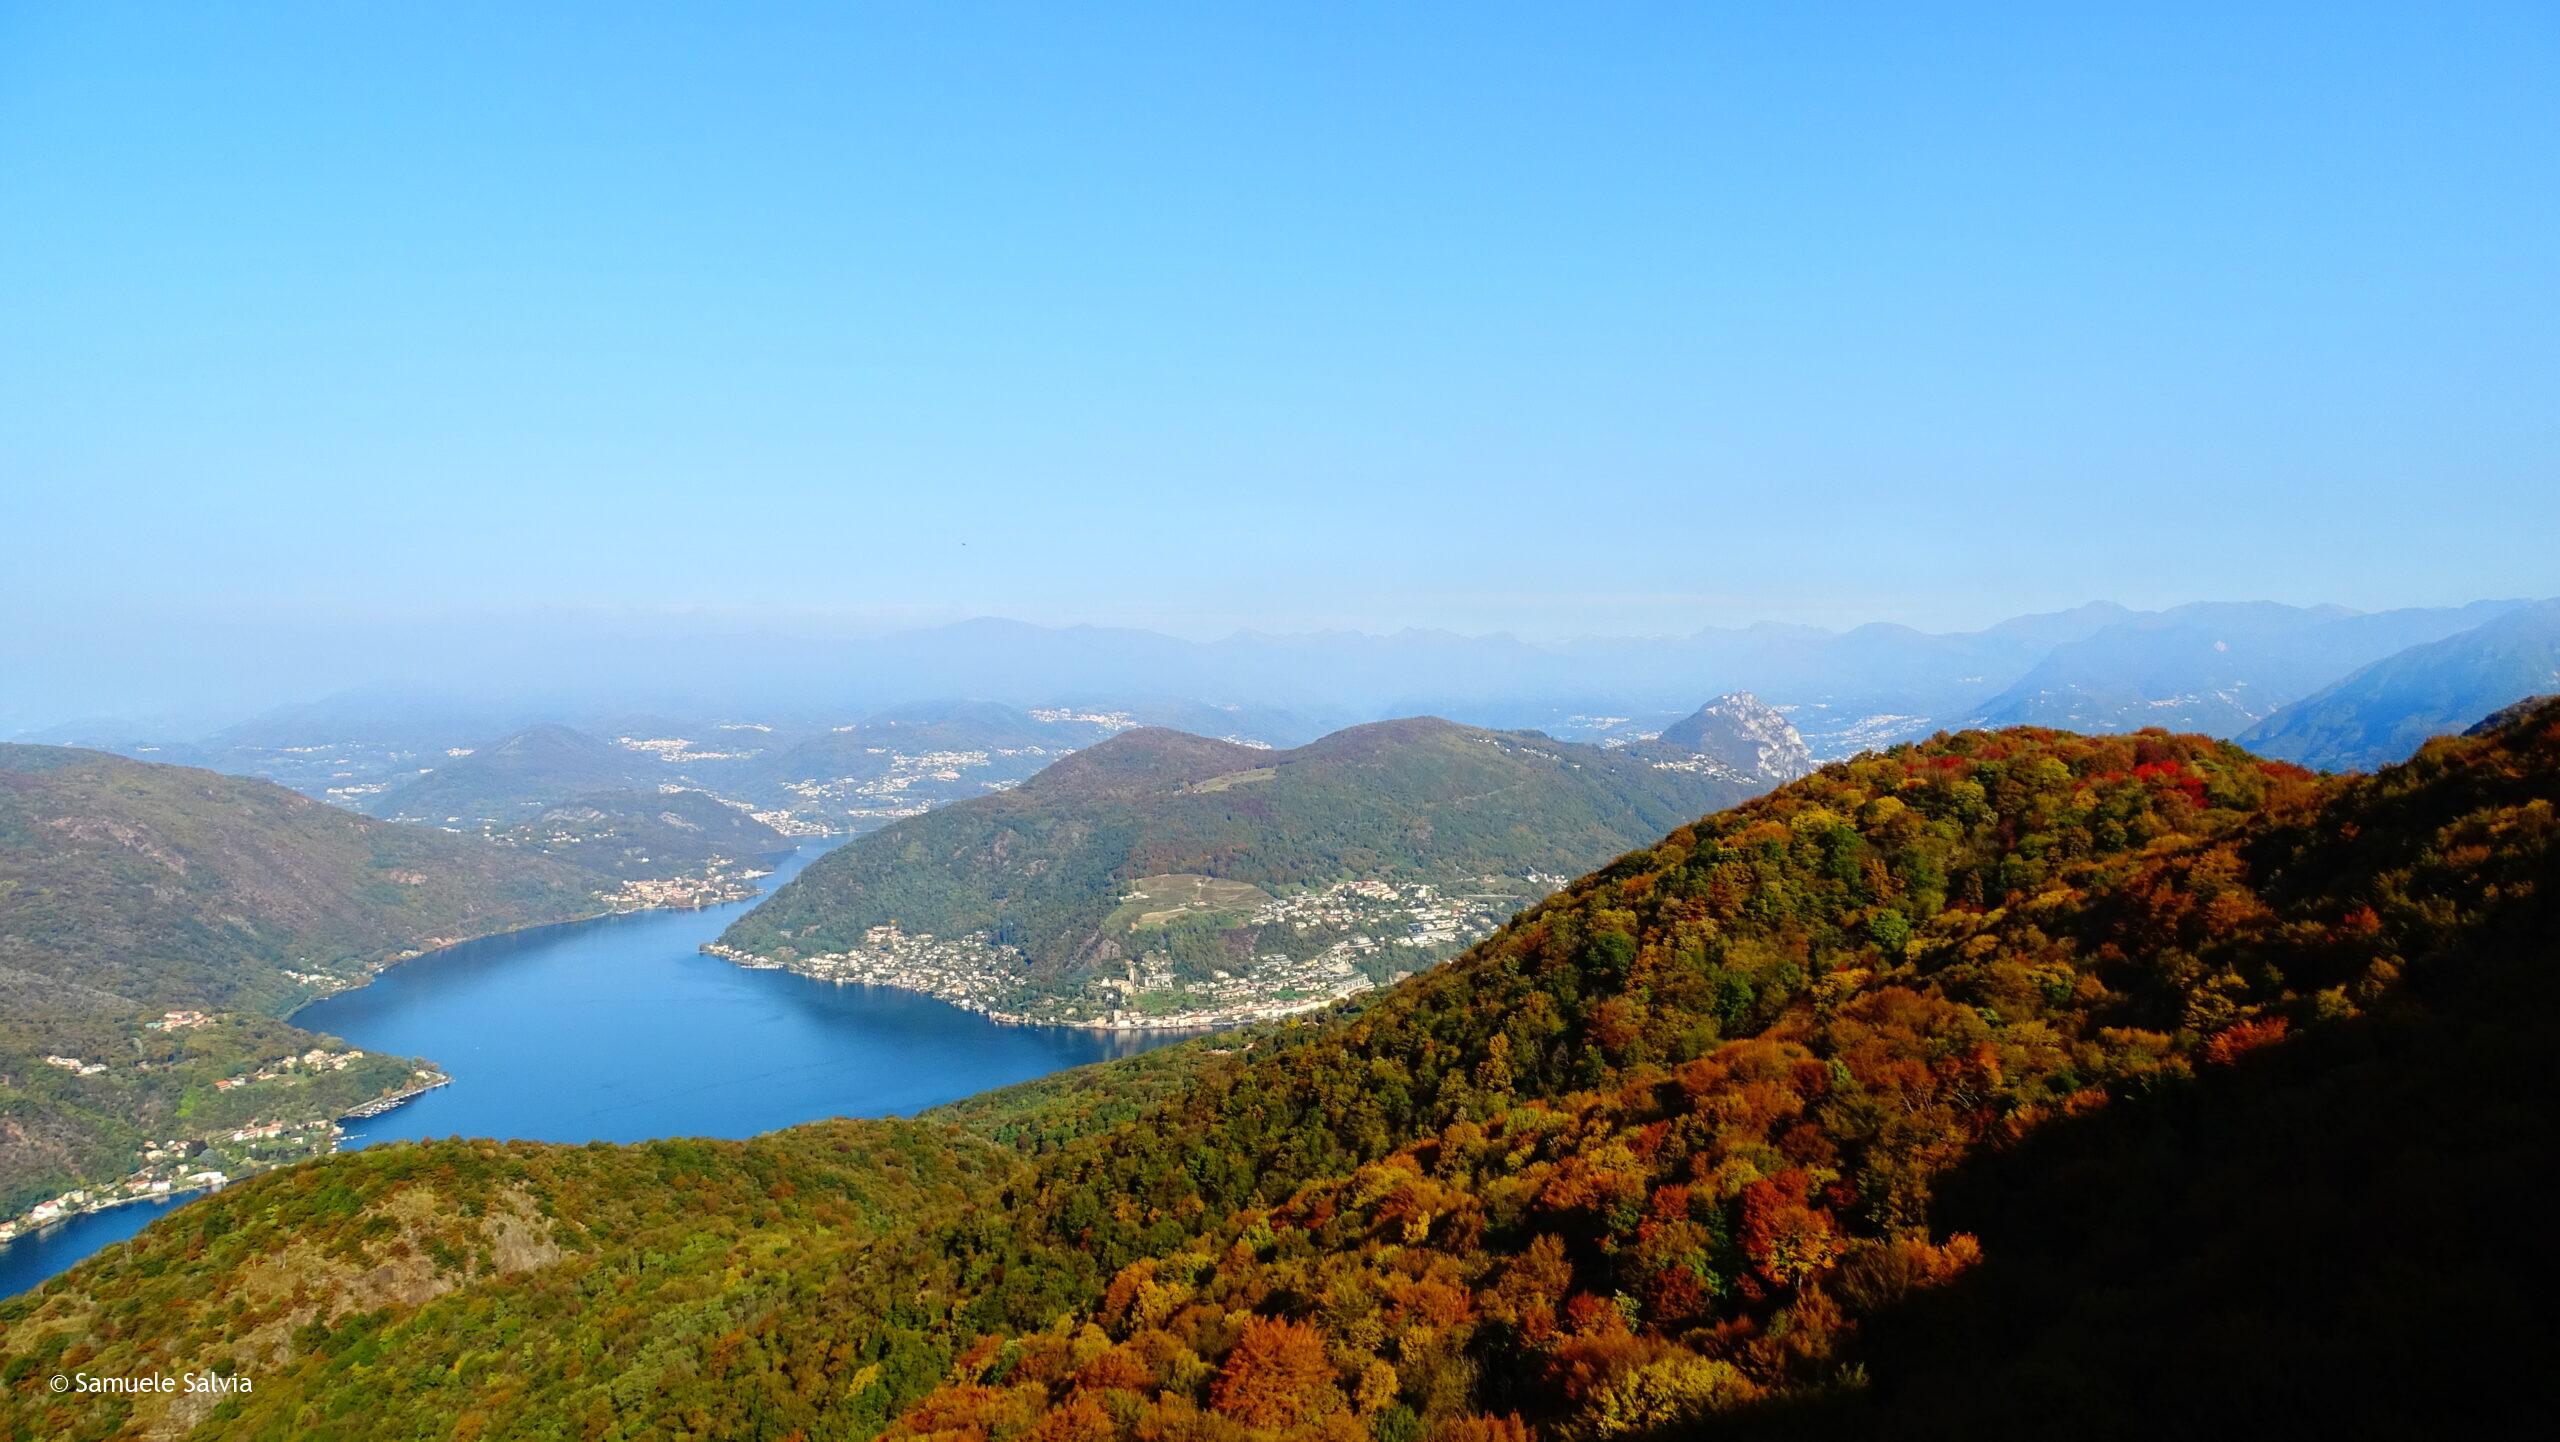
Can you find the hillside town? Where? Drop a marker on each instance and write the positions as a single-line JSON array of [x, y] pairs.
[[1111, 722], [914, 782], [676, 750], [317, 1059], [177, 1166], [716, 886], [1410, 924], [1313, 948]]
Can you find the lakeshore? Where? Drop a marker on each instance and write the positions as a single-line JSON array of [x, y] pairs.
[[1314, 948], [619, 1029], [179, 1167], [174, 1175]]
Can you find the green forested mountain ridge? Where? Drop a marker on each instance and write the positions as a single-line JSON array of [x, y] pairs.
[[128, 889], [132, 884], [513, 778], [2013, 1084], [1161, 845], [644, 833]]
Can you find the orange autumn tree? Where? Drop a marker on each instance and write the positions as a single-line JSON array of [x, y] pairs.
[[1276, 1377]]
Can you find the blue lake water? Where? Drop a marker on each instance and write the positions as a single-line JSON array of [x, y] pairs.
[[30, 1259], [620, 1030]]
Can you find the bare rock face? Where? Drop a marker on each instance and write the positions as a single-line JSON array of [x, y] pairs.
[[1745, 735]]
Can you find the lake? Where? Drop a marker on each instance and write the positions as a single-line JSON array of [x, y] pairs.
[[620, 1029], [30, 1259]]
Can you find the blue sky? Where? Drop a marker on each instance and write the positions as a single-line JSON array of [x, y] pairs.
[[1554, 319]]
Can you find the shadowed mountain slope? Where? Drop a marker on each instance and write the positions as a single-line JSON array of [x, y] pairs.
[[2384, 712]]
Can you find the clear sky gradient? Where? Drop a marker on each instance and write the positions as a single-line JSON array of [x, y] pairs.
[[1555, 318]]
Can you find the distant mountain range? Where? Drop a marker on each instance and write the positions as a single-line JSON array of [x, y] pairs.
[[1159, 863], [806, 779], [2385, 711], [506, 781], [851, 777], [2220, 668], [2216, 669], [897, 762]]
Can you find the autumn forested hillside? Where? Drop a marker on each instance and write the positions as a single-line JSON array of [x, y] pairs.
[[2014, 1084]]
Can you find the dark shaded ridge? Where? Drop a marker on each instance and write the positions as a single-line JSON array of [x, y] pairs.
[[2323, 1238]]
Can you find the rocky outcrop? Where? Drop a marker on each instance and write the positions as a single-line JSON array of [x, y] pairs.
[[1743, 734]]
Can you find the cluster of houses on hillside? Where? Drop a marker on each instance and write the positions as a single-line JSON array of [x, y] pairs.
[[1409, 914], [675, 750], [714, 887], [180, 1165], [315, 1060], [1113, 721], [1320, 946], [167, 1172], [913, 783], [1148, 996], [969, 972]]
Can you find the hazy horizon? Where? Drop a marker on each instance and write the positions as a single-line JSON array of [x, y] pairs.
[[196, 672], [1510, 320]]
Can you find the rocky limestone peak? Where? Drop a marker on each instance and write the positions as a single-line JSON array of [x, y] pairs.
[[1746, 734]]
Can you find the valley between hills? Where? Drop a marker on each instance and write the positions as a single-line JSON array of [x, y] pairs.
[[159, 925], [2014, 1083]]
